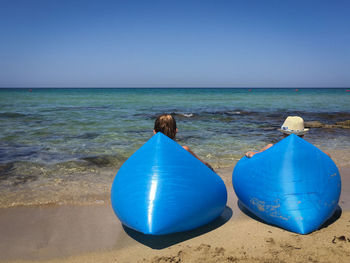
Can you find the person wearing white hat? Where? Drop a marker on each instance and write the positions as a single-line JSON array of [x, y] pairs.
[[292, 124]]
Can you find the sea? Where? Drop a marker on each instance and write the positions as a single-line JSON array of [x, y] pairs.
[[65, 145]]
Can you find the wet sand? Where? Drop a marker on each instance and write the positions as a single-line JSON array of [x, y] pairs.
[[94, 234]]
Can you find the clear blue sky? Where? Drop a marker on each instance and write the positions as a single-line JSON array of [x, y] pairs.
[[261, 43]]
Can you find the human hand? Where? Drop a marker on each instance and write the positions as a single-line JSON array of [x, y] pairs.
[[250, 154]]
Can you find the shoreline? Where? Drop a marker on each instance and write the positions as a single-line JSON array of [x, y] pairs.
[[94, 189], [92, 233]]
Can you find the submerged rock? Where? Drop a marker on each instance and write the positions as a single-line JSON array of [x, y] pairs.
[[5, 170], [313, 124], [318, 124], [104, 160], [344, 124]]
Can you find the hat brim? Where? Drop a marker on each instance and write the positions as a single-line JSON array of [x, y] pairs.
[[294, 132]]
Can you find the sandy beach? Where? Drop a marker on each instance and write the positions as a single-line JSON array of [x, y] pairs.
[[94, 234], [87, 87]]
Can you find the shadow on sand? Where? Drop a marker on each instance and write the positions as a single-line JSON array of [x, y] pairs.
[[164, 241], [336, 215]]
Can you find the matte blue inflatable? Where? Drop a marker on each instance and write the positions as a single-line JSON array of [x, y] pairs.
[[292, 185], [163, 189]]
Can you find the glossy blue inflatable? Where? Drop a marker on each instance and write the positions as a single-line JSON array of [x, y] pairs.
[[292, 185], [163, 189]]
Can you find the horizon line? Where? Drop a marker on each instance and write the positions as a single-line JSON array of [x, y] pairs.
[[140, 87]]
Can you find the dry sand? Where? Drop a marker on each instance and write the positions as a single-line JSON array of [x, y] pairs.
[[93, 234]]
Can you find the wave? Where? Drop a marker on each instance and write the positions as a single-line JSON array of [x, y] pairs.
[[76, 108], [187, 115], [234, 112]]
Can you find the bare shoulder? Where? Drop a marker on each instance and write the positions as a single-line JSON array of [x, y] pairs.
[[189, 150], [186, 147], [268, 146]]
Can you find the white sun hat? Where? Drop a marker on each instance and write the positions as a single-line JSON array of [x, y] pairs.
[[293, 124]]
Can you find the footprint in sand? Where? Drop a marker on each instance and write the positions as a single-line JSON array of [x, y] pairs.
[[340, 239], [270, 240]]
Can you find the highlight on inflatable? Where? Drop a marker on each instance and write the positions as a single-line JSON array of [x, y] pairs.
[[163, 189], [293, 185]]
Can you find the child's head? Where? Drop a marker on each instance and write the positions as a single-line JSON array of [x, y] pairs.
[[166, 124]]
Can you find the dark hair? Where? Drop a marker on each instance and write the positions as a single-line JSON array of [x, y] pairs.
[[166, 124]]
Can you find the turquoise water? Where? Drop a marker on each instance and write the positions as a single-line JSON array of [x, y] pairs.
[[51, 138]]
